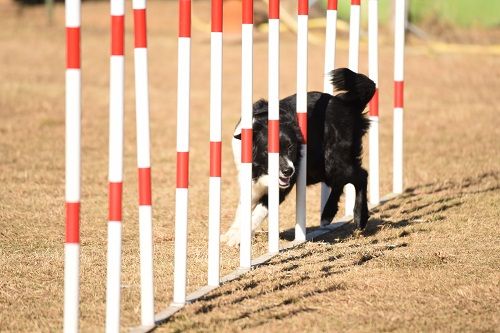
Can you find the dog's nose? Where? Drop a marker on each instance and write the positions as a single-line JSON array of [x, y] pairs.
[[287, 172]]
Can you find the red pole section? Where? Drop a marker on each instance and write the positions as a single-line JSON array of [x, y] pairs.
[[181, 192], [332, 5], [274, 9], [216, 15]]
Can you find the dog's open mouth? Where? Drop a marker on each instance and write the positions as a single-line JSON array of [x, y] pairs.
[[284, 181]]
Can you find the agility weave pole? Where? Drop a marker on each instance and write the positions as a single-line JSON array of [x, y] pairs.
[[115, 176], [72, 182], [300, 186], [373, 134], [246, 134], [214, 199], [181, 191], [143, 162], [399, 46], [330, 46], [73, 90], [273, 126]]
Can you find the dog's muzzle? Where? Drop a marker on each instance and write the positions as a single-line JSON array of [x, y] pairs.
[[284, 181]]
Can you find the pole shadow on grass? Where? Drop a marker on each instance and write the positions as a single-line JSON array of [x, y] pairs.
[[286, 285], [418, 204]]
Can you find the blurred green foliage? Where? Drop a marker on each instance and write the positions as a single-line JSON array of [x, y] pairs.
[[463, 13]]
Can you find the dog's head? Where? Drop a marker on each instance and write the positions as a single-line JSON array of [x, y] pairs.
[[289, 156]]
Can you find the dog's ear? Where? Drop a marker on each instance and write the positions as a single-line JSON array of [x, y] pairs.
[[260, 108]]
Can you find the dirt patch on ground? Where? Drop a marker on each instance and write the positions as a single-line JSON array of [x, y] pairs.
[[428, 260]]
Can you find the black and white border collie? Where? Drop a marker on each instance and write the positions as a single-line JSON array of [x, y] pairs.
[[335, 127]]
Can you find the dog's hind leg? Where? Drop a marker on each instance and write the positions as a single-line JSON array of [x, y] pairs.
[[361, 204], [331, 206]]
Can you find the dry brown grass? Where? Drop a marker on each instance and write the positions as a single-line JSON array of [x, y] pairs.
[[428, 260]]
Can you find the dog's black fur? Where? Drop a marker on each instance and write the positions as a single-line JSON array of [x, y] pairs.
[[335, 127]]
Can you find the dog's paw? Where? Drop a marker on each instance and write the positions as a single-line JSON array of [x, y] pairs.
[[231, 237], [324, 222]]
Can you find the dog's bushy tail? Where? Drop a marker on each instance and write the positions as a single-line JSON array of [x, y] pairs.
[[355, 91], [352, 87]]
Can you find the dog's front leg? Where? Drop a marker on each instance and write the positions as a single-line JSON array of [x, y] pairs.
[[232, 236], [258, 215]]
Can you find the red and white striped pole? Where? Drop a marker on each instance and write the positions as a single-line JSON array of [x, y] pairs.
[[181, 192], [116, 100], [302, 26], [246, 134], [373, 107], [274, 126], [143, 162], [399, 49], [330, 45], [354, 23], [214, 196], [73, 149]]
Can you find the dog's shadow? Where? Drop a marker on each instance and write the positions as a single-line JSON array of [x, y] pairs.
[[418, 204]]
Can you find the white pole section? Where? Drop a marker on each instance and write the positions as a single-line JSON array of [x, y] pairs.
[[274, 126], [143, 163], [116, 100], [399, 49], [246, 134], [374, 119], [73, 148], [350, 193], [302, 26], [330, 42], [214, 196], [181, 192]]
